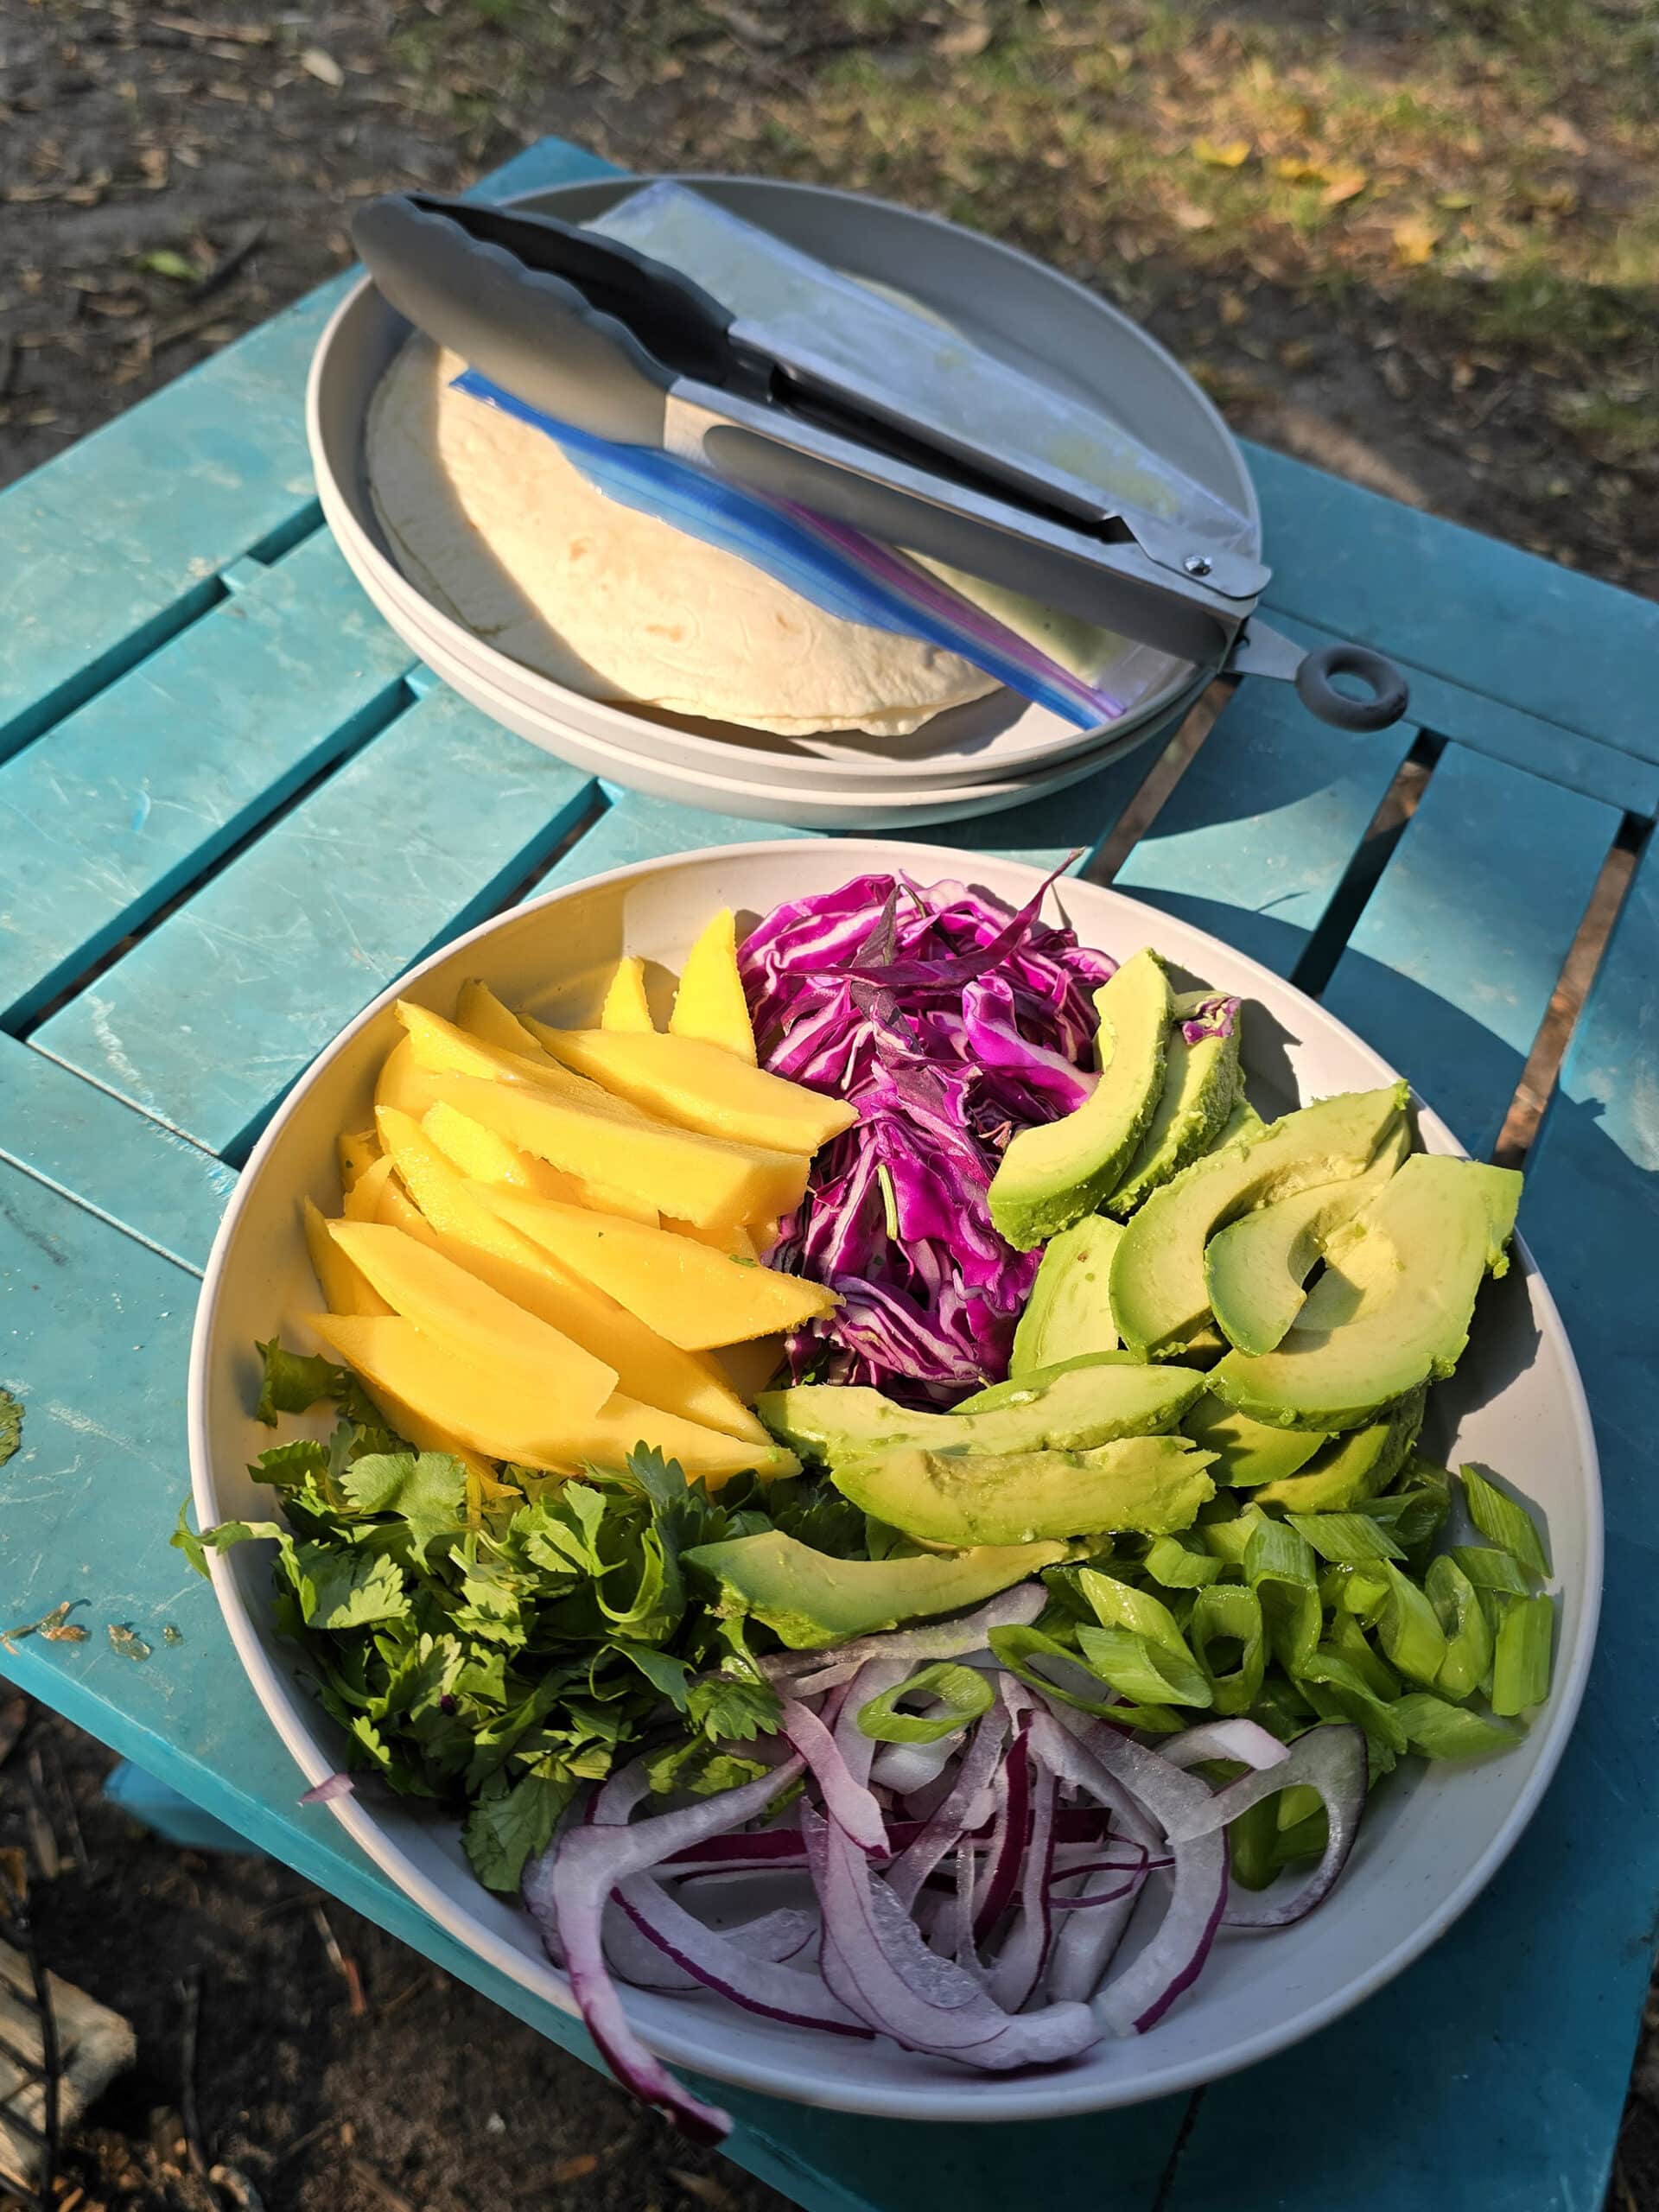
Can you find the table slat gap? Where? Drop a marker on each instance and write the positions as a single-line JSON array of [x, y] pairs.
[[1371, 857], [288, 537], [41, 716], [598, 804], [1167, 767]]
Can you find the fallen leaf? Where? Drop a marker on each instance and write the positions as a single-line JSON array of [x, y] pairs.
[[1560, 132], [122, 1639], [576, 2169], [152, 161], [1453, 202], [1190, 216], [323, 66], [704, 2188], [1230, 154], [1295, 353], [1345, 184], [963, 41], [164, 262], [1232, 310], [1292, 168], [1414, 240], [1394, 374]]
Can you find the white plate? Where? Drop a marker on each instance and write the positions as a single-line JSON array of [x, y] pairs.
[[1030, 315], [1432, 1839]]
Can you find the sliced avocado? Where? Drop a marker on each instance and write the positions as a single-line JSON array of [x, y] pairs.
[[1254, 1269], [1349, 1469], [1242, 1122], [1157, 1290], [1018, 1388], [808, 1599], [1069, 1310], [1068, 1410], [1393, 1310], [1200, 1083], [1053, 1174], [1247, 1452], [1152, 1484]]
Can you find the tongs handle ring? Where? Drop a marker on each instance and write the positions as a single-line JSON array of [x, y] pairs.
[[1389, 695]]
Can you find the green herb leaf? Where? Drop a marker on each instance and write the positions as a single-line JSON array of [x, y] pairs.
[[1503, 1521], [347, 1589], [11, 1425], [295, 1381], [960, 1693], [184, 1539], [428, 1489], [510, 1823], [730, 1711]]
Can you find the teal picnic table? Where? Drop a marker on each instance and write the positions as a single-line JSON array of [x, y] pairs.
[[231, 810]]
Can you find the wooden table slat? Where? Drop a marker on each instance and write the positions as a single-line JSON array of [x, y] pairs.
[[208, 1020], [1450, 968], [126, 800]]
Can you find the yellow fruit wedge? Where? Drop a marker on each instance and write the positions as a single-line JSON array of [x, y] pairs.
[[396, 1210], [481, 1154], [724, 1237], [709, 1003], [453, 1307], [362, 1201], [346, 1288], [502, 1408], [626, 1005], [403, 1081], [466, 1229], [355, 1149], [763, 1235], [695, 1296], [700, 1086], [749, 1368], [481, 1015], [441, 1047], [693, 1176]]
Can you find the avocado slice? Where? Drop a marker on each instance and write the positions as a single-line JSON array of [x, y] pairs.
[[1154, 1485], [1052, 1174], [1200, 1083], [1242, 1122], [1253, 1271], [1347, 1470], [1068, 1311], [809, 1599], [1392, 1309], [1247, 1452], [1158, 1288], [1067, 1410]]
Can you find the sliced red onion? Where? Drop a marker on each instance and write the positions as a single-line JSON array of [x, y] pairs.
[[1015, 1608], [1019, 1966], [907, 1768], [956, 1815], [744, 1974], [1087, 1943], [1008, 1852], [1334, 1764], [876, 1961], [588, 1864], [1330, 1759], [331, 1787], [847, 1801], [1241, 1742]]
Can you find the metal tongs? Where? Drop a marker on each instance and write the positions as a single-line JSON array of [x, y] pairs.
[[589, 330]]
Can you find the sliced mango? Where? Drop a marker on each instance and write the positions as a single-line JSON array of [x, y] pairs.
[[481, 1015], [468, 1231], [693, 1176], [346, 1288], [730, 1237], [484, 1157], [355, 1149], [699, 1086], [500, 1405], [362, 1201], [403, 1081], [396, 1210], [453, 1307], [709, 1003], [691, 1293], [626, 1004], [749, 1368]]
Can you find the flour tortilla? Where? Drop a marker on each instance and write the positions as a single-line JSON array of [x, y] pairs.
[[488, 517]]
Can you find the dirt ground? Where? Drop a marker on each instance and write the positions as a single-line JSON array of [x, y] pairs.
[[1415, 244]]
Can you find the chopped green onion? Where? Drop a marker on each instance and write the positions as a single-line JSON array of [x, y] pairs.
[[1468, 1633], [1281, 1709], [1346, 1539], [1252, 1839], [1359, 1592], [1521, 1660], [1409, 1629], [1277, 1553], [1330, 1681], [962, 1692], [1140, 1667], [1349, 1638], [1015, 1649], [1228, 1613], [1296, 1803], [1440, 1731], [1173, 1561], [1117, 1605], [1279, 1567], [1491, 1570], [889, 1200], [1503, 1521], [1305, 1839], [1229, 1540]]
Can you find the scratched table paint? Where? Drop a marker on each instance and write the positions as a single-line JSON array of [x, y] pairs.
[[218, 768]]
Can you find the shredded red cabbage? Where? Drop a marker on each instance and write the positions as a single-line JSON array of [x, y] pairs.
[[951, 1021]]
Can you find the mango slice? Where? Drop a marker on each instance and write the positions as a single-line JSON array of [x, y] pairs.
[[701, 1086], [355, 1149], [396, 1210], [362, 1201], [481, 1015], [732, 1237], [483, 1156], [691, 1293], [455, 1308], [346, 1288], [501, 1407], [709, 1003], [441, 1047], [690, 1175], [468, 1231], [403, 1081], [626, 1005]]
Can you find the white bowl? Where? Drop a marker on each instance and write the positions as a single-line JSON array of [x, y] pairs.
[[1033, 316], [1432, 1839]]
